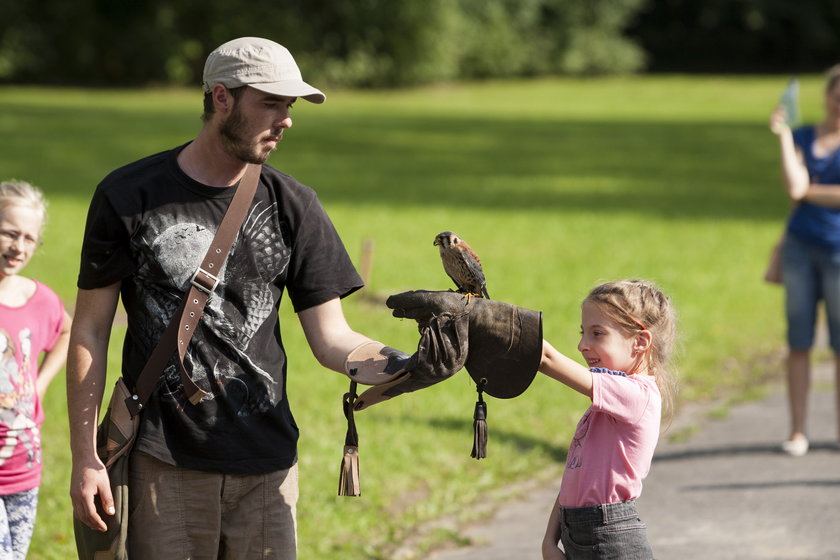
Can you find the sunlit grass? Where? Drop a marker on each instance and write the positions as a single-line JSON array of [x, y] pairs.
[[557, 184]]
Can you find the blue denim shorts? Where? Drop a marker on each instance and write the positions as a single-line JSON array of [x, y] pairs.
[[811, 274], [604, 532]]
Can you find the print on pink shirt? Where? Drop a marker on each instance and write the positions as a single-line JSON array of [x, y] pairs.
[[576, 447], [17, 400]]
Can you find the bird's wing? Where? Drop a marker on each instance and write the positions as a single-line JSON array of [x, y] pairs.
[[475, 268]]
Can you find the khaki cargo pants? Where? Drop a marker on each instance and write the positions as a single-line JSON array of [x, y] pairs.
[[181, 514]]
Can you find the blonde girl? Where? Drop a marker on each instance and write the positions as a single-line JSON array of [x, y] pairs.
[[33, 322], [627, 338]]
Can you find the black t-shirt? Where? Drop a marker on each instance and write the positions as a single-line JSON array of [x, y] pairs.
[[149, 226]]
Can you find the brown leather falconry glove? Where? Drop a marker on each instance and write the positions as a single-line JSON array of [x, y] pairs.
[[505, 341], [441, 353]]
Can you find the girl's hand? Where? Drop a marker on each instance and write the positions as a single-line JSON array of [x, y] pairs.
[[552, 553], [778, 121], [550, 550]]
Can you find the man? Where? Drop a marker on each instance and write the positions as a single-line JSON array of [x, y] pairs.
[[217, 478]]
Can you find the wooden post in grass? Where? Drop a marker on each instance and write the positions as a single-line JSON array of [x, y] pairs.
[[366, 263]]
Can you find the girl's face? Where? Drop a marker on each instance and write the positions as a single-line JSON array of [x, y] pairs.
[[255, 125], [20, 231], [604, 343]]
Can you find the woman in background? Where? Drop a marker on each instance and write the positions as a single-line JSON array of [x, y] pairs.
[[810, 158]]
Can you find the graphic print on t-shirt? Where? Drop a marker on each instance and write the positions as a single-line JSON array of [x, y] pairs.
[[17, 400], [169, 252], [576, 447]]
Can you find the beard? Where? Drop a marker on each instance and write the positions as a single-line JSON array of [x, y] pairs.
[[235, 143]]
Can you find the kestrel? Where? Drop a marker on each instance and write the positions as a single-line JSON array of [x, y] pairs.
[[461, 264]]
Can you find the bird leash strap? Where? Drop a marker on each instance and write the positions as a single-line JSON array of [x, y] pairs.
[[348, 480], [204, 281]]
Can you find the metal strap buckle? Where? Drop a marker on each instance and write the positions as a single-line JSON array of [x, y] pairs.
[[207, 283]]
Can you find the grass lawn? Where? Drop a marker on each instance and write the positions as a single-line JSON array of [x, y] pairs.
[[557, 184]]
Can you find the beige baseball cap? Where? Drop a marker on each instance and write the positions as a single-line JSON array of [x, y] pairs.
[[261, 64]]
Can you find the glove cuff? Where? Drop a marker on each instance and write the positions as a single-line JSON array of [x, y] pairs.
[[441, 353], [373, 363]]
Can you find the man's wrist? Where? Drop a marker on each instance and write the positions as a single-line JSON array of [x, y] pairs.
[[373, 363]]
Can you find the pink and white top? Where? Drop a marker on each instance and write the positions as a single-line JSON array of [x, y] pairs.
[[613, 445], [25, 332]]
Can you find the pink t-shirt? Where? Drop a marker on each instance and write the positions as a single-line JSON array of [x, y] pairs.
[[25, 332], [613, 445]]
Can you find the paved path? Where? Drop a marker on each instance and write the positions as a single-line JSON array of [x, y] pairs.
[[725, 493]]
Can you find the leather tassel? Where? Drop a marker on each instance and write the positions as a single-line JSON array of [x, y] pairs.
[[479, 450], [348, 479]]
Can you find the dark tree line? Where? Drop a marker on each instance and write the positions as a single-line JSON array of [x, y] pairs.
[[363, 43], [387, 43], [739, 35]]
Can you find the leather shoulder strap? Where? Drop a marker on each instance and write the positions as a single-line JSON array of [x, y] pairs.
[[203, 283]]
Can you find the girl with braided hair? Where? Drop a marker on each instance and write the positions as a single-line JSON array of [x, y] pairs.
[[628, 330]]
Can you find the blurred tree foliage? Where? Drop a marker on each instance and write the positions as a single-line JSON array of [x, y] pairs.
[[388, 43], [739, 35], [362, 43]]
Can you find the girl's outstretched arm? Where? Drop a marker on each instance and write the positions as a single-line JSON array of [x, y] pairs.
[[565, 370]]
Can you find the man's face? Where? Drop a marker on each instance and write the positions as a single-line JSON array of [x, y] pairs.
[[255, 125]]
